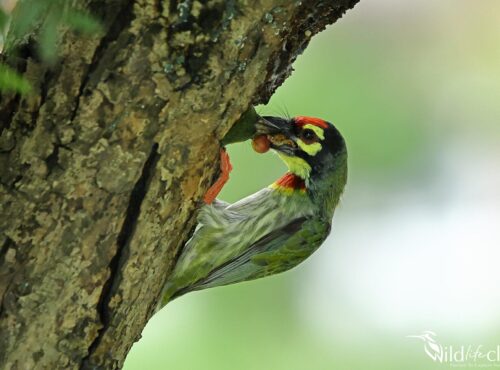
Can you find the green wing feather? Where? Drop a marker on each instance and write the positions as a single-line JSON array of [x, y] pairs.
[[278, 251], [295, 250]]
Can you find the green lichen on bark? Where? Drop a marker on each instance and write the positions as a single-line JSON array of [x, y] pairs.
[[103, 166]]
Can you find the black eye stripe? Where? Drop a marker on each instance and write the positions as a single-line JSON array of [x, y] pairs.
[[308, 134]]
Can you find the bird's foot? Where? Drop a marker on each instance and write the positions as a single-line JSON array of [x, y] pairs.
[[225, 169]]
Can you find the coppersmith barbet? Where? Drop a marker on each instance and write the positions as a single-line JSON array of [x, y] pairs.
[[276, 228]]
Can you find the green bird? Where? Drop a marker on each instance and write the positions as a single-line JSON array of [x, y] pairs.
[[276, 228]]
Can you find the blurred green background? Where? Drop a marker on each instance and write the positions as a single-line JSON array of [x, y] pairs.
[[415, 89]]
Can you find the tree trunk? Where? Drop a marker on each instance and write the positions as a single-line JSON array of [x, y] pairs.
[[103, 166]]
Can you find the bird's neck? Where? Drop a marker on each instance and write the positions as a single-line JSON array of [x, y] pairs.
[[326, 190], [289, 183]]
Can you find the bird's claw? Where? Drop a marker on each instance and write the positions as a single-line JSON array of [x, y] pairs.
[[225, 169]]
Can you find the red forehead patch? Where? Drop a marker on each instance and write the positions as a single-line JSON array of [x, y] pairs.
[[302, 120]]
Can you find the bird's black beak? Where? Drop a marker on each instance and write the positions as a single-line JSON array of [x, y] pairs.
[[279, 132]]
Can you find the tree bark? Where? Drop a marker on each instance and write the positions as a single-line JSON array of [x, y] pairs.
[[103, 166]]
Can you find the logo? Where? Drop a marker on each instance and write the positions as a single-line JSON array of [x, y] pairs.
[[458, 356]]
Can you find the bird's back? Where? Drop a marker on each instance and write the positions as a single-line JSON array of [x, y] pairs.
[[229, 233]]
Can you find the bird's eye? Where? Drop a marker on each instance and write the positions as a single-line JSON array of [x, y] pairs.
[[308, 136]]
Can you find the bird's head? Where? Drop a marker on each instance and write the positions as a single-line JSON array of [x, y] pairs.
[[312, 148]]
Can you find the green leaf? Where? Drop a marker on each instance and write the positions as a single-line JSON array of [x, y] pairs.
[[82, 22], [48, 39], [27, 15], [10, 80], [4, 18], [43, 19]]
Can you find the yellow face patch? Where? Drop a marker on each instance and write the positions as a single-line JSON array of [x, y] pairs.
[[311, 149], [296, 165]]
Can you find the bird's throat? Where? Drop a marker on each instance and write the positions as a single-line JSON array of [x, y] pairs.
[[289, 184], [296, 165]]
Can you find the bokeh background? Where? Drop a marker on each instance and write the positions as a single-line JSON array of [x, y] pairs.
[[414, 86]]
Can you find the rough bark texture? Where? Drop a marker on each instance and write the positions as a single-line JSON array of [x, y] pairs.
[[102, 168]]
